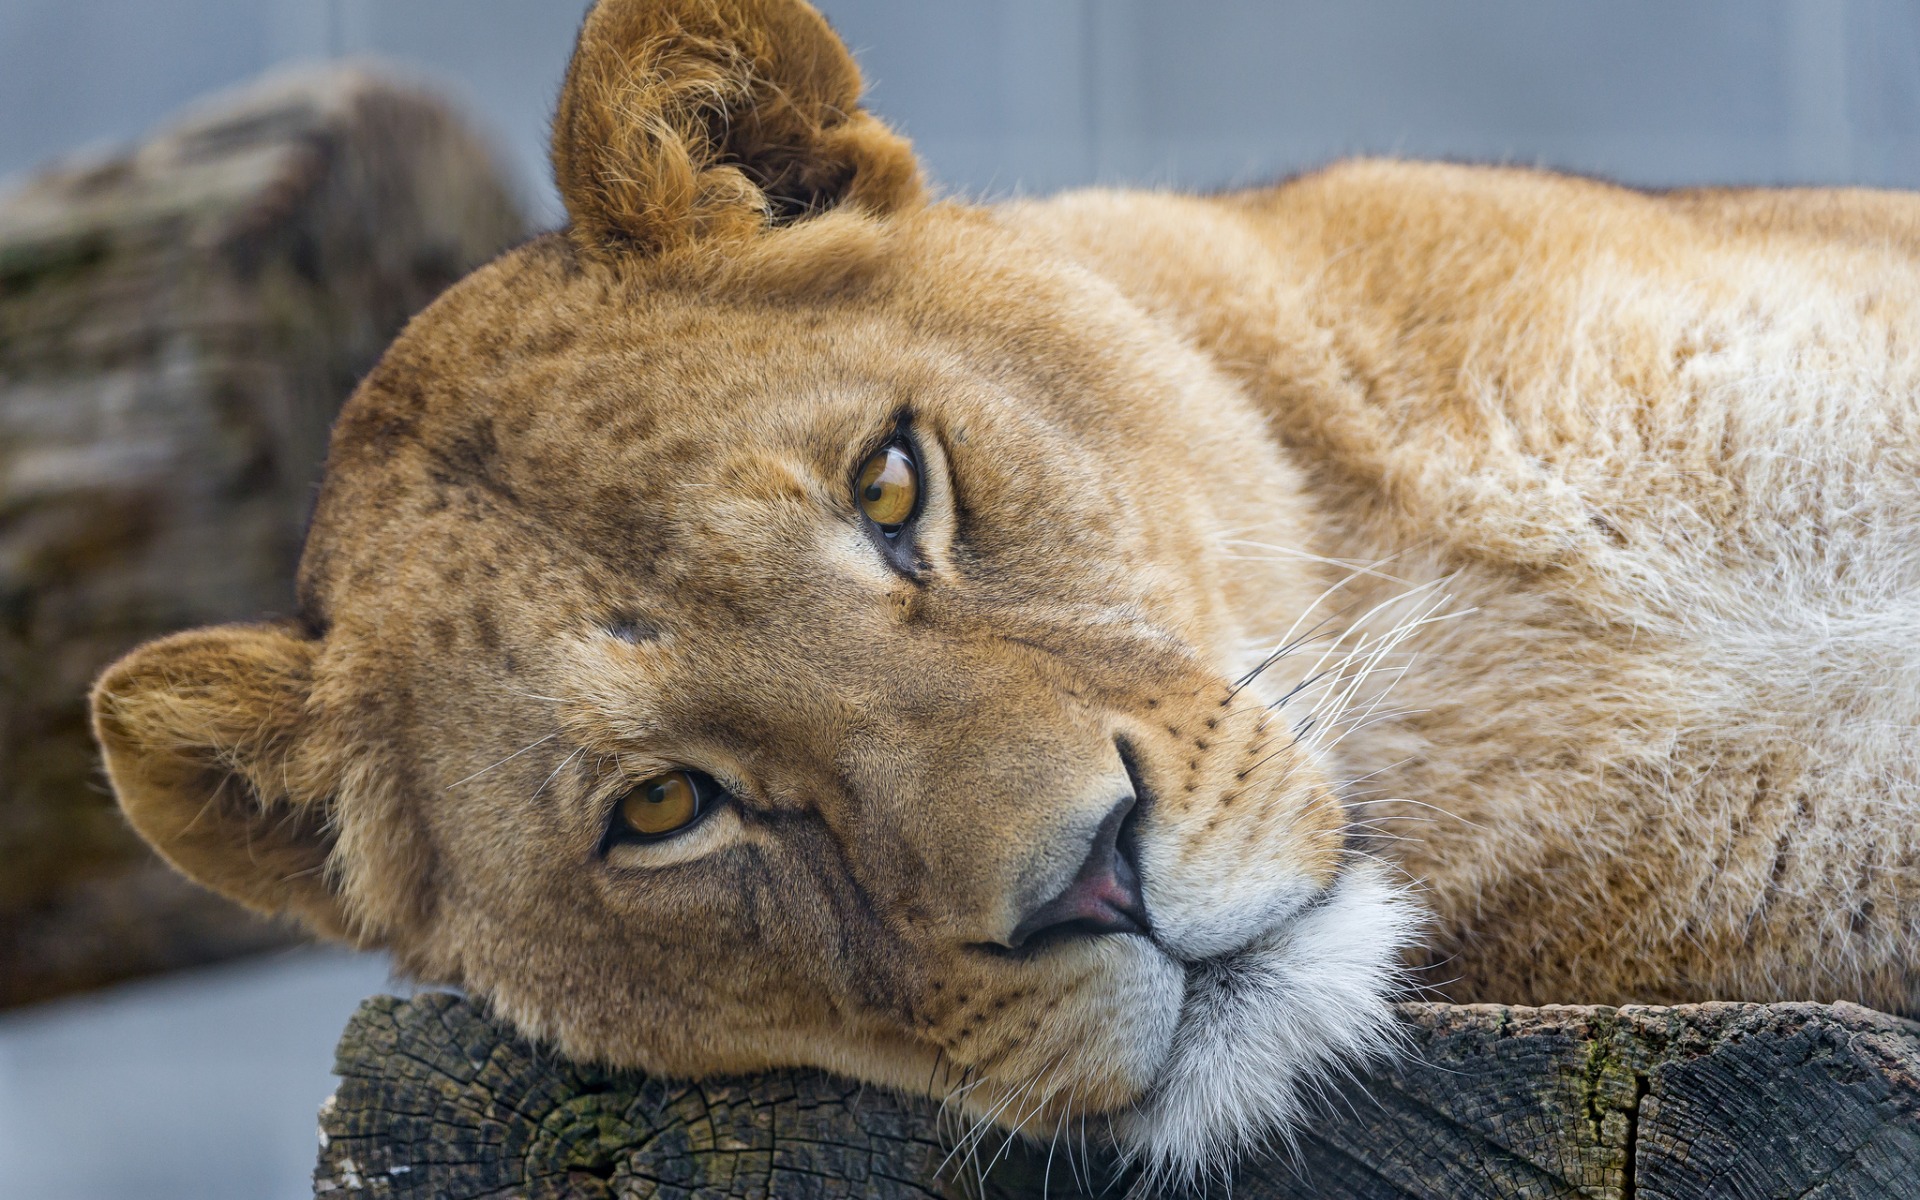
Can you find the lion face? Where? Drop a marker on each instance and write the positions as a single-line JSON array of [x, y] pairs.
[[739, 644]]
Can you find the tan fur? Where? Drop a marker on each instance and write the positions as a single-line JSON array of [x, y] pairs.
[[1585, 518]]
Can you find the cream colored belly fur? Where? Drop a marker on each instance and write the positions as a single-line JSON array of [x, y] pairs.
[[1644, 471]]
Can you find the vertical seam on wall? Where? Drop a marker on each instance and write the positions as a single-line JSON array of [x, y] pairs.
[[1817, 78], [1090, 91]]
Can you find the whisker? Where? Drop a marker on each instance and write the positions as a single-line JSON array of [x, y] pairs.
[[1358, 568], [556, 771], [509, 758], [1421, 804], [1287, 638]]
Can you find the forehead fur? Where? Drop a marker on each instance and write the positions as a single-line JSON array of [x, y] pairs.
[[536, 376], [580, 394]]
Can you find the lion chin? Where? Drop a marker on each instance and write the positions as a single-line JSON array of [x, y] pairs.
[[1262, 1029]]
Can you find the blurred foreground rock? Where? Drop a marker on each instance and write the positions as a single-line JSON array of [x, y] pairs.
[[1700, 1102], [178, 326]]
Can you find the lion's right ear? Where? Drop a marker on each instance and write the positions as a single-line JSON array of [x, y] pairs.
[[684, 120], [207, 742]]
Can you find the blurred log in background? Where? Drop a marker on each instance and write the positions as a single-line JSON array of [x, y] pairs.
[[179, 324]]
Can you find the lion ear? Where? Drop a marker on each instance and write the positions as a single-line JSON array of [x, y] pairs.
[[207, 742], [689, 119]]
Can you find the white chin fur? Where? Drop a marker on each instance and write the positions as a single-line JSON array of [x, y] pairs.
[[1262, 1030]]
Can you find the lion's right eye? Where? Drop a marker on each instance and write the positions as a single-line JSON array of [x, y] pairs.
[[665, 805], [888, 488]]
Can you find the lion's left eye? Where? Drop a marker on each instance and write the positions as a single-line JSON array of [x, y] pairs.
[[665, 805], [888, 488]]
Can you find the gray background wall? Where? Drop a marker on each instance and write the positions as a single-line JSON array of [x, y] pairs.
[[1032, 95]]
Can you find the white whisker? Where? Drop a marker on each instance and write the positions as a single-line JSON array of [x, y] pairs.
[[509, 758]]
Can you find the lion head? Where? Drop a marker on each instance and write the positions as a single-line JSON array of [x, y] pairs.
[[786, 621]]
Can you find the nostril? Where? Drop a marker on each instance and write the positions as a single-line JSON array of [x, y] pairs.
[[1104, 896]]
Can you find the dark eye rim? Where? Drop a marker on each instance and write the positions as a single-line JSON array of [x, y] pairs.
[[709, 797]]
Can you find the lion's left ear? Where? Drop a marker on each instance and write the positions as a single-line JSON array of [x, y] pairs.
[[683, 120], [207, 741]]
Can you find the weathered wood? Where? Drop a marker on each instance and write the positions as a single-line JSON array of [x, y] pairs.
[[437, 1099], [178, 325], [1687, 1103], [1702, 1102]]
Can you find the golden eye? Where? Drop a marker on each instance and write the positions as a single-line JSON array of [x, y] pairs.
[[888, 488], [666, 803]]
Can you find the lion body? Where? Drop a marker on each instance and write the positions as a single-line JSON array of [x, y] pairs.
[[1666, 450], [1523, 548]]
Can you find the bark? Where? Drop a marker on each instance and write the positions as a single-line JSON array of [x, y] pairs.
[[439, 1099], [179, 323]]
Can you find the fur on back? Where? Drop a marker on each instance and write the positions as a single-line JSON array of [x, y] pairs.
[[1666, 446]]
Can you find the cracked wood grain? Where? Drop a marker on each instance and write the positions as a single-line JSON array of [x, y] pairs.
[[1701, 1102]]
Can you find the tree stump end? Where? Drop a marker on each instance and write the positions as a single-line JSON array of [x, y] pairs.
[[439, 1098]]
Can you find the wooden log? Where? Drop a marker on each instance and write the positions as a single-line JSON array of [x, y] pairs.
[[179, 322], [1701, 1102]]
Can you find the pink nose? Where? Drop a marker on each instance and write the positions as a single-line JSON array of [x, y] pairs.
[[1104, 896]]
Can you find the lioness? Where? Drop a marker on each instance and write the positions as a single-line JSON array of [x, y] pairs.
[[1052, 654]]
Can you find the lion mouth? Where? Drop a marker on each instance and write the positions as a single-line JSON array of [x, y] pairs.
[[1262, 1027]]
